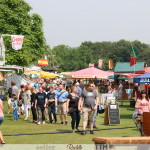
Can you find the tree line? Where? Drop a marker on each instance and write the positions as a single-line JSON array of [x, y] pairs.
[[70, 59]]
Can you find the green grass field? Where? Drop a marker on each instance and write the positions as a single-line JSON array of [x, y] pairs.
[[21, 126]]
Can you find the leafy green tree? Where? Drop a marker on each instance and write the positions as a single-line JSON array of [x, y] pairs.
[[144, 57], [15, 19], [71, 59]]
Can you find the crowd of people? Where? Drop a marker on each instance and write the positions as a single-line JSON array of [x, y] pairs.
[[48, 99]]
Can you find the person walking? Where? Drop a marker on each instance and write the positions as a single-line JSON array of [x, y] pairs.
[[15, 107], [40, 104], [73, 108], [14, 88], [81, 85], [26, 98], [34, 114], [120, 92], [1, 120], [61, 100], [79, 90], [51, 104], [10, 98], [20, 93], [87, 105]]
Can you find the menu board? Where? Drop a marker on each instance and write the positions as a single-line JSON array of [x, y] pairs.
[[113, 114]]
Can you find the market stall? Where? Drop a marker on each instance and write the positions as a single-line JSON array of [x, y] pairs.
[[143, 81], [91, 74]]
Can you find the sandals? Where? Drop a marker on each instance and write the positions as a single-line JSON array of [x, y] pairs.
[[2, 142]]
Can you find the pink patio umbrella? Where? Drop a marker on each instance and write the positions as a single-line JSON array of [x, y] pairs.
[[90, 72]]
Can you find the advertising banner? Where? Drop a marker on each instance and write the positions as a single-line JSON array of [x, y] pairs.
[[17, 41]]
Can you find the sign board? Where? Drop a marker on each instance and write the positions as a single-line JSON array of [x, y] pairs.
[[141, 80], [113, 114], [17, 41]]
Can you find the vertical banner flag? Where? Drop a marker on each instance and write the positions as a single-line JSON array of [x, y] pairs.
[[2, 51], [43, 62], [110, 64], [2, 47], [132, 57], [17, 41], [100, 63]]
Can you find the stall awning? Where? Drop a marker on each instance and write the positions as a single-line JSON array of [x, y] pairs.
[[133, 75], [145, 78], [90, 72], [125, 67]]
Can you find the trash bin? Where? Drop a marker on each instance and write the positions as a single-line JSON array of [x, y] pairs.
[[132, 103]]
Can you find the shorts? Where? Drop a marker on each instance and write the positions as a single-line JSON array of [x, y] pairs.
[[88, 114], [1, 120], [9, 101], [62, 109]]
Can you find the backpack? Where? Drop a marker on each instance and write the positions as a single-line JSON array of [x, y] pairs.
[[10, 93], [100, 109]]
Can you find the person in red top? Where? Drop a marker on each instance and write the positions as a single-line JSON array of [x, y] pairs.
[[143, 103], [1, 120]]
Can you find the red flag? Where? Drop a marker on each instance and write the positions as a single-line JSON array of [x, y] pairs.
[[132, 57]]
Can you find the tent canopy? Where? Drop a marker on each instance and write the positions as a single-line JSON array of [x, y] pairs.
[[125, 67], [145, 78], [48, 75], [90, 72], [132, 75]]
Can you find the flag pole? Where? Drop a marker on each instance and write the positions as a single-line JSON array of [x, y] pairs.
[[134, 61]]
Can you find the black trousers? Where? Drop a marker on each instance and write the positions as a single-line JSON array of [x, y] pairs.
[[34, 114], [75, 119]]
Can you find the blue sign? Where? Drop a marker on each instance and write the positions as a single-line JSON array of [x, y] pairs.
[[145, 78], [141, 80]]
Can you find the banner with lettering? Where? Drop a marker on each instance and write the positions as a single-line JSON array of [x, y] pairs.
[[141, 80], [17, 41]]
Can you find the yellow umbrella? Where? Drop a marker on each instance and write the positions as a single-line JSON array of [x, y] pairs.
[[44, 74]]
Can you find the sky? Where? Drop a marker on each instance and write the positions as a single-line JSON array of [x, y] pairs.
[[72, 22]]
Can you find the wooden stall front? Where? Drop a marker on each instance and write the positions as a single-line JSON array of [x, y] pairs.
[[121, 140]]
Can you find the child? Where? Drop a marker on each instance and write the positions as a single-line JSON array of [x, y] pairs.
[[15, 108]]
